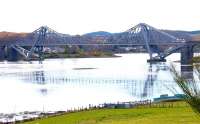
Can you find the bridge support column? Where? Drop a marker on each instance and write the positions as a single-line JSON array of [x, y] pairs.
[[186, 54], [187, 72], [12, 54], [2, 53], [186, 58]]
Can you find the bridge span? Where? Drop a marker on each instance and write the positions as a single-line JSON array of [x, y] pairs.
[[140, 35]]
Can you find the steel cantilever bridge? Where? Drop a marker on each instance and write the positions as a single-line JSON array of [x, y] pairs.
[[140, 35]]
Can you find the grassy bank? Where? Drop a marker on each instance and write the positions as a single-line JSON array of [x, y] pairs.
[[178, 114]]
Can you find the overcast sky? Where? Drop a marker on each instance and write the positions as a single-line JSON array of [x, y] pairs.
[[81, 16]]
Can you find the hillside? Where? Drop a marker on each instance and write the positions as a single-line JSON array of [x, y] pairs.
[[196, 37], [98, 33], [7, 36], [100, 36], [195, 32]]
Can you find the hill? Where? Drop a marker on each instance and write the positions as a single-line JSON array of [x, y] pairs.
[[196, 37], [99, 33], [6, 36], [100, 36], [195, 32]]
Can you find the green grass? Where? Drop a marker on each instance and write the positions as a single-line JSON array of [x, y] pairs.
[[180, 114]]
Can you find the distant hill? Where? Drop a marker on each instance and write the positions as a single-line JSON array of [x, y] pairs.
[[180, 34], [188, 35], [7, 36], [196, 37], [98, 33], [186, 32], [100, 36], [195, 32]]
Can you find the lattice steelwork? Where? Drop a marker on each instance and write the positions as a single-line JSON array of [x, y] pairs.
[[141, 34], [153, 38]]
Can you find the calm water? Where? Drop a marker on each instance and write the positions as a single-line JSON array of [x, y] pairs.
[[61, 84]]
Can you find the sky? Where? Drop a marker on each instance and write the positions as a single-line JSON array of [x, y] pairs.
[[83, 16]]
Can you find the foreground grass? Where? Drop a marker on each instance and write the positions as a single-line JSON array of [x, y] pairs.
[[177, 115]]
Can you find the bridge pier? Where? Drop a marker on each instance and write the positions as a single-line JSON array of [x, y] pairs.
[[2, 53], [153, 60], [187, 72], [186, 54], [12, 54], [186, 62], [155, 49]]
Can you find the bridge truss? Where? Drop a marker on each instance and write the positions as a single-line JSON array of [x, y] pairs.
[[153, 39], [40, 37], [142, 34]]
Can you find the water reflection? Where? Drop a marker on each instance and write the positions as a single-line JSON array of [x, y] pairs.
[[187, 72], [56, 85], [152, 76], [39, 77], [44, 91], [141, 89]]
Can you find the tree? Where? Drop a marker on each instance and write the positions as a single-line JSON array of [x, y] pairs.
[[190, 88]]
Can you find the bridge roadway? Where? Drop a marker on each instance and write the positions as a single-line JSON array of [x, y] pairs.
[[186, 46], [30, 43], [2, 43]]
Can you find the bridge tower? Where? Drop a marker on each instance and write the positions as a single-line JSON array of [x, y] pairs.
[[38, 46], [146, 35], [152, 39], [39, 38]]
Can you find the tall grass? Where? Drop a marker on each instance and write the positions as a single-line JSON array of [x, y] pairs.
[[189, 87]]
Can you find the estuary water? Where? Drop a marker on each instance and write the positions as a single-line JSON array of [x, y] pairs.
[[64, 84]]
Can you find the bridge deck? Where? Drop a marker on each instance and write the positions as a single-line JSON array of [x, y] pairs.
[[91, 44]]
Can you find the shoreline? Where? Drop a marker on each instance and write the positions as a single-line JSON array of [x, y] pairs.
[[138, 108], [74, 57], [83, 57], [28, 116]]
